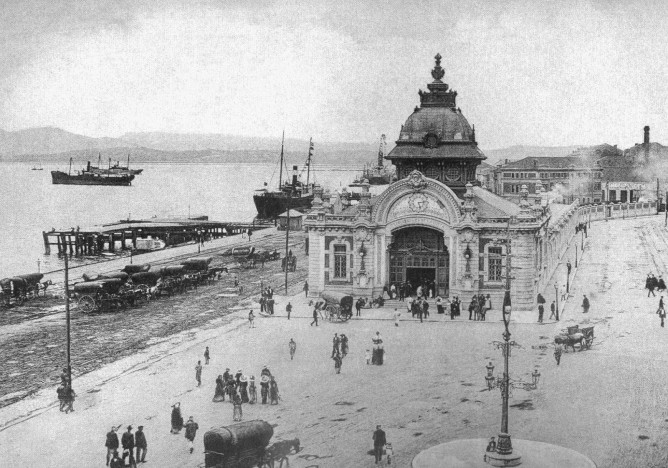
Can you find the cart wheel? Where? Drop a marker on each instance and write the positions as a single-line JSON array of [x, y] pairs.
[[87, 304]]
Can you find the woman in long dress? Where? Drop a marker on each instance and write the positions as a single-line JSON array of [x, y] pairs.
[[243, 389], [220, 390], [252, 391], [273, 391], [177, 419], [237, 413]]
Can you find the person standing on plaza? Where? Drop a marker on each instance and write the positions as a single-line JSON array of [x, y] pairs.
[[206, 356], [401, 291], [251, 319], [273, 391], [128, 443], [488, 306], [585, 304], [177, 419], [270, 305], [358, 306], [293, 348], [553, 311], [198, 373], [344, 345], [191, 431], [305, 288], [112, 443], [661, 311], [379, 442], [336, 342], [425, 308], [337, 363], [252, 391], [288, 309], [541, 310], [141, 444], [236, 407], [264, 388], [315, 317], [250, 233]]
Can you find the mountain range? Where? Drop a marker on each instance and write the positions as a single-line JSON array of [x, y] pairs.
[[50, 144]]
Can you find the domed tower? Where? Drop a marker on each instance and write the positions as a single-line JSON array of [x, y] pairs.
[[437, 140]]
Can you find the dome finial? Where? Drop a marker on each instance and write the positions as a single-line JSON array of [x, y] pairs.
[[437, 73]]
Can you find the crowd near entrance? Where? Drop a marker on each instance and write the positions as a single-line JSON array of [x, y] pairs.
[[419, 257]]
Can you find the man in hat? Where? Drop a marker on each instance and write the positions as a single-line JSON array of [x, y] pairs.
[[237, 377], [226, 375], [198, 373], [378, 443], [111, 443], [140, 442], [315, 317], [336, 341], [288, 309], [206, 356], [191, 430], [128, 443]]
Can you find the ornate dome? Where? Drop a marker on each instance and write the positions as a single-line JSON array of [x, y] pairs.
[[446, 123]]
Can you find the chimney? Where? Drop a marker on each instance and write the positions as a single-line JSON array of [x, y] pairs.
[[646, 139], [295, 173]]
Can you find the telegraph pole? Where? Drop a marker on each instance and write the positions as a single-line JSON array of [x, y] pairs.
[[67, 319]]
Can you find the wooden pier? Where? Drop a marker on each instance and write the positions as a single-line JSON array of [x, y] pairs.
[[173, 231]]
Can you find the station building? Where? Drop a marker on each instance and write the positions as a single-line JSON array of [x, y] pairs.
[[435, 222]]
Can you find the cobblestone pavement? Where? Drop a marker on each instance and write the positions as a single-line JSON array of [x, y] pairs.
[[608, 402], [33, 346]]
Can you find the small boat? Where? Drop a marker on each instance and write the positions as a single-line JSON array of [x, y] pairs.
[[294, 195], [150, 244], [35, 168], [378, 174], [86, 177]]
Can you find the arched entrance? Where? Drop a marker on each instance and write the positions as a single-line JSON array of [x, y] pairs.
[[418, 255]]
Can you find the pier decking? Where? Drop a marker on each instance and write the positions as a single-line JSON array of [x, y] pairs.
[[96, 240]]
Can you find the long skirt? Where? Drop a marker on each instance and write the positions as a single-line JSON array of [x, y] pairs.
[[236, 415], [264, 391], [379, 356], [253, 395], [274, 396], [374, 356], [219, 395], [244, 394]]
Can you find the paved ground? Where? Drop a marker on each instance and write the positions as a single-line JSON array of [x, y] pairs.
[[608, 403]]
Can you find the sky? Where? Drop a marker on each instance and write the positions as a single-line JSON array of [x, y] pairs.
[[527, 73]]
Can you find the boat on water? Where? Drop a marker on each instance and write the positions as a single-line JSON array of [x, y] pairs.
[[85, 177], [115, 169], [294, 194], [378, 174]]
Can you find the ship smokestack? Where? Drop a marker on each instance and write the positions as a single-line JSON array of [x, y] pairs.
[[646, 139], [295, 173]]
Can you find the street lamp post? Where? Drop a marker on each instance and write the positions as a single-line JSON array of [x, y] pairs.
[[556, 297]]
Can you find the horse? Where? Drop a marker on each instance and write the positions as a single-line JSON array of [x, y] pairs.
[[571, 340], [279, 451]]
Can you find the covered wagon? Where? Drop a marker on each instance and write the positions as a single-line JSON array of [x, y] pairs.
[[132, 269], [102, 295], [338, 306], [15, 288], [240, 445], [32, 281]]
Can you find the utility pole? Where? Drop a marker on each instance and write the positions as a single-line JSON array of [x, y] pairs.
[[67, 319]]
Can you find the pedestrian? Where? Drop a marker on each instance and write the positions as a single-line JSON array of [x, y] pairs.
[[198, 373], [337, 363], [116, 461], [112, 443], [252, 391], [378, 443], [273, 391], [251, 319], [243, 389], [219, 395], [315, 317], [401, 292], [425, 308], [293, 348], [250, 233], [585, 304], [661, 284], [128, 443], [661, 311], [562, 293], [236, 408], [270, 305], [305, 288], [288, 309], [488, 306], [541, 310], [557, 353], [206, 356], [472, 307], [69, 399], [336, 342], [140, 443], [367, 355], [396, 317], [191, 430], [553, 310], [177, 419], [389, 452], [264, 388], [358, 307], [491, 446]]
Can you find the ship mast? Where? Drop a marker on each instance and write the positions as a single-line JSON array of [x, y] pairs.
[[381, 150], [280, 177], [308, 161]]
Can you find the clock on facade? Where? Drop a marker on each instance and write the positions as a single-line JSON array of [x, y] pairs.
[[453, 174], [418, 202]]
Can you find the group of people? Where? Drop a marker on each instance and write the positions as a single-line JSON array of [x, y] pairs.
[[130, 442], [418, 306], [66, 394], [339, 350], [378, 353], [267, 300], [241, 389], [479, 306], [423, 288], [652, 283]]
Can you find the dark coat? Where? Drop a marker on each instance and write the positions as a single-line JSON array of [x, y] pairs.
[[128, 440], [112, 440], [191, 430], [379, 438], [140, 439]]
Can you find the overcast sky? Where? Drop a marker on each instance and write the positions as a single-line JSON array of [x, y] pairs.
[[527, 72]]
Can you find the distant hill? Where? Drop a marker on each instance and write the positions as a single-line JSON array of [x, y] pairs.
[[514, 153], [49, 140]]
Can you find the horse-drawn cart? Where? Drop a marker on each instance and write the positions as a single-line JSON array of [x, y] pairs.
[[15, 288], [584, 337], [240, 445], [338, 307], [99, 296]]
